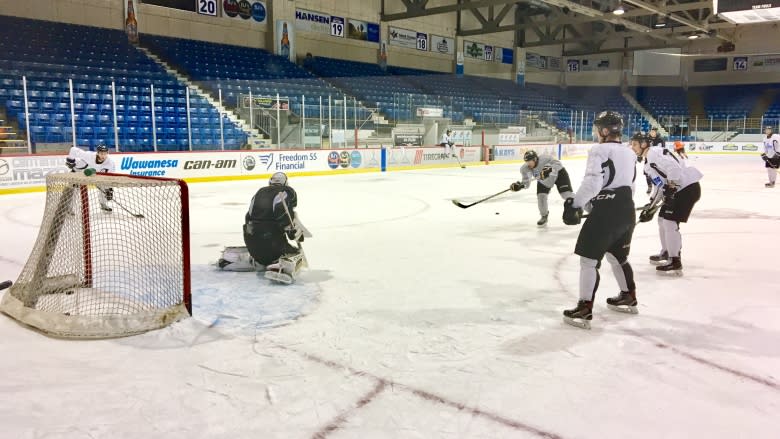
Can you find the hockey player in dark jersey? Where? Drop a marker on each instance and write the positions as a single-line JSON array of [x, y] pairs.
[[270, 224], [607, 191]]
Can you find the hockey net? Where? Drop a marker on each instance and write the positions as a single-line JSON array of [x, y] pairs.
[[94, 273]]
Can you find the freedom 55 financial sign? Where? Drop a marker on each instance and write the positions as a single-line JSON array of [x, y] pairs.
[[317, 22], [408, 38]]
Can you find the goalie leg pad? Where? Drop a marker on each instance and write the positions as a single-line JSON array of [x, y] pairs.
[[286, 268], [238, 259]]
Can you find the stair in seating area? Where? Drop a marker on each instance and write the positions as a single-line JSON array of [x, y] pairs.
[[646, 114]]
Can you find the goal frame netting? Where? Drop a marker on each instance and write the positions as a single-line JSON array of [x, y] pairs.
[[51, 299]]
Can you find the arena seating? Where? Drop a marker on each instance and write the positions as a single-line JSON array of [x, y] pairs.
[[93, 58], [237, 70]]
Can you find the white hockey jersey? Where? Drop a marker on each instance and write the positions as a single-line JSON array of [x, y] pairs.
[[772, 145], [87, 159], [610, 165], [665, 167], [544, 161]]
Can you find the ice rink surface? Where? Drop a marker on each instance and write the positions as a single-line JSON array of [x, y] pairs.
[[418, 319]]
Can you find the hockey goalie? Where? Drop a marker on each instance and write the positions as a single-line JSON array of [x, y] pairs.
[[270, 224]]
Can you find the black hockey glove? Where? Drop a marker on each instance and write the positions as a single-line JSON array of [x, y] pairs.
[[516, 186], [70, 163], [545, 172], [648, 211], [670, 191], [295, 235], [571, 215], [110, 194], [765, 158]]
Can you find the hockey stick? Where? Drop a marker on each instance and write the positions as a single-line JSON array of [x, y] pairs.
[[137, 215], [5, 284], [458, 159], [283, 199], [466, 206]]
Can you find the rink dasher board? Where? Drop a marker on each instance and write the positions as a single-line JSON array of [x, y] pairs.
[[27, 173]]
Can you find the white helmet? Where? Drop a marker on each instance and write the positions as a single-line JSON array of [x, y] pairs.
[[278, 179]]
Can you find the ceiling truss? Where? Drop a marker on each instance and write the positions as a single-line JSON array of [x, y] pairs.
[[580, 25]]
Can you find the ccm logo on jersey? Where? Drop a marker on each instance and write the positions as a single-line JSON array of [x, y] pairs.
[[600, 197]]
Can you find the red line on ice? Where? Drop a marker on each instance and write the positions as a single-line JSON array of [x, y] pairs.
[[428, 396], [706, 362]]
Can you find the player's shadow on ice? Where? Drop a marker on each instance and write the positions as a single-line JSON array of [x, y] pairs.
[[727, 214], [722, 334]]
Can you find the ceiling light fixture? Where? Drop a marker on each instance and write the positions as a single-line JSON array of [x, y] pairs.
[[619, 10]]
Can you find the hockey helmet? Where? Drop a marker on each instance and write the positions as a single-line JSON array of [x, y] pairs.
[[608, 120], [530, 155], [768, 127], [101, 147], [278, 179], [639, 137]]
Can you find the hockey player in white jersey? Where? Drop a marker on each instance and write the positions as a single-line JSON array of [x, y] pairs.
[[607, 192], [448, 144], [677, 185], [548, 172], [99, 160], [771, 155]]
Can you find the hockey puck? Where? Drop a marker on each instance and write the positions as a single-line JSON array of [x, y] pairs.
[[496, 213]]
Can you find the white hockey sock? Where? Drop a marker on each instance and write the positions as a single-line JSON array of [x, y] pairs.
[[589, 278], [541, 200], [623, 272], [672, 237], [662, 233], [772, 174]]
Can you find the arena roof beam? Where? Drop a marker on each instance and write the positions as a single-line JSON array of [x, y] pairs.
[[416, 8], [661, 10]]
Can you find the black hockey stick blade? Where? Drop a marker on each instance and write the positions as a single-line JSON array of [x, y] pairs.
[[6, 284], [466, 206]]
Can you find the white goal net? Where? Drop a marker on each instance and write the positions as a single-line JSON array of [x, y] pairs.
[[95, 273]]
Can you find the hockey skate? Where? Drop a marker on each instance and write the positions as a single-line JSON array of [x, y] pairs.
[[769, 185], [286, 268], [673, 268], [579, 316], [106, 208], [542, 221], [660, 258], [623, 302]]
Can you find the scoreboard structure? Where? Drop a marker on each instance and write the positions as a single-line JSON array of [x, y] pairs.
[[747, 11]]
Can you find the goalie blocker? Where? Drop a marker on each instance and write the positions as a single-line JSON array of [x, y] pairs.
[[269, 226]]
